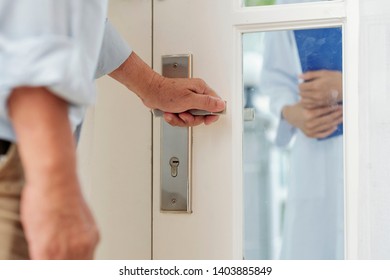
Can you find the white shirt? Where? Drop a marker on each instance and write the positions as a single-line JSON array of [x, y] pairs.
[[59, 44]]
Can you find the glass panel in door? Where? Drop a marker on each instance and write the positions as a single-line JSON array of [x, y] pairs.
[[293, 144]]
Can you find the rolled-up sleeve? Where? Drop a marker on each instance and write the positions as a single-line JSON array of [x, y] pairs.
[[113, 53], [49, 43]]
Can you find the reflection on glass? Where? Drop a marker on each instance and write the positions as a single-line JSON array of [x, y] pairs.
[[293, 145], [250, 3]]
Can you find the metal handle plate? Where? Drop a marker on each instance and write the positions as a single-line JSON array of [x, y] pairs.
[[176, 148]]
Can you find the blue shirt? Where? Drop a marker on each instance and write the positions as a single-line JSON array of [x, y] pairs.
[[59, 44]]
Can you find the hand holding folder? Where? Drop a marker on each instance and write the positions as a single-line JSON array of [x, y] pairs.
[[320, 54]]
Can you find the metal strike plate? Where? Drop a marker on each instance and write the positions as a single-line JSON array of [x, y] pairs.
[[176, 148]]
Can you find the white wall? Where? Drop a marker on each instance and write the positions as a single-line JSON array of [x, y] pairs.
[[374, 117]]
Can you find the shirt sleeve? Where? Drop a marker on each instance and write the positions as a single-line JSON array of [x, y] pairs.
[[113, 53], [47, 43]]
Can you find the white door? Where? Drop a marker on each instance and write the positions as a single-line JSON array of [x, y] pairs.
[[204, 29], [213, 31], [115, 148]]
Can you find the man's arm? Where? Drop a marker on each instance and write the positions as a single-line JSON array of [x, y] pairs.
[[169, 95], [56, 220]]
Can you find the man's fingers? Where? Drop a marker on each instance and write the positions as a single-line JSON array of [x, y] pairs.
[[210, 91], [183, 119], [191, 120], [173, 119], [210, 119], [207, 103], [198, 85], [200, 88]]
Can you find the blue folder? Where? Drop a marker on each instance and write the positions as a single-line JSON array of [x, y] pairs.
[[321, 49]]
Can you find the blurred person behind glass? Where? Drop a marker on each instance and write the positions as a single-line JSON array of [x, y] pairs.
[[309, 108]]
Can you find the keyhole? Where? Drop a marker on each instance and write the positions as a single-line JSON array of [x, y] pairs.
[[174, 163]]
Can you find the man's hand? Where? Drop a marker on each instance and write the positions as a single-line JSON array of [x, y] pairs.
[[57, 221], [318, 122], [321, 88], [180, 95], [55, 218], [174, 96]]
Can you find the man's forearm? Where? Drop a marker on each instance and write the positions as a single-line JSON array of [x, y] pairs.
[[168, 94], [56, 220], [40, 120], [137, 76]]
